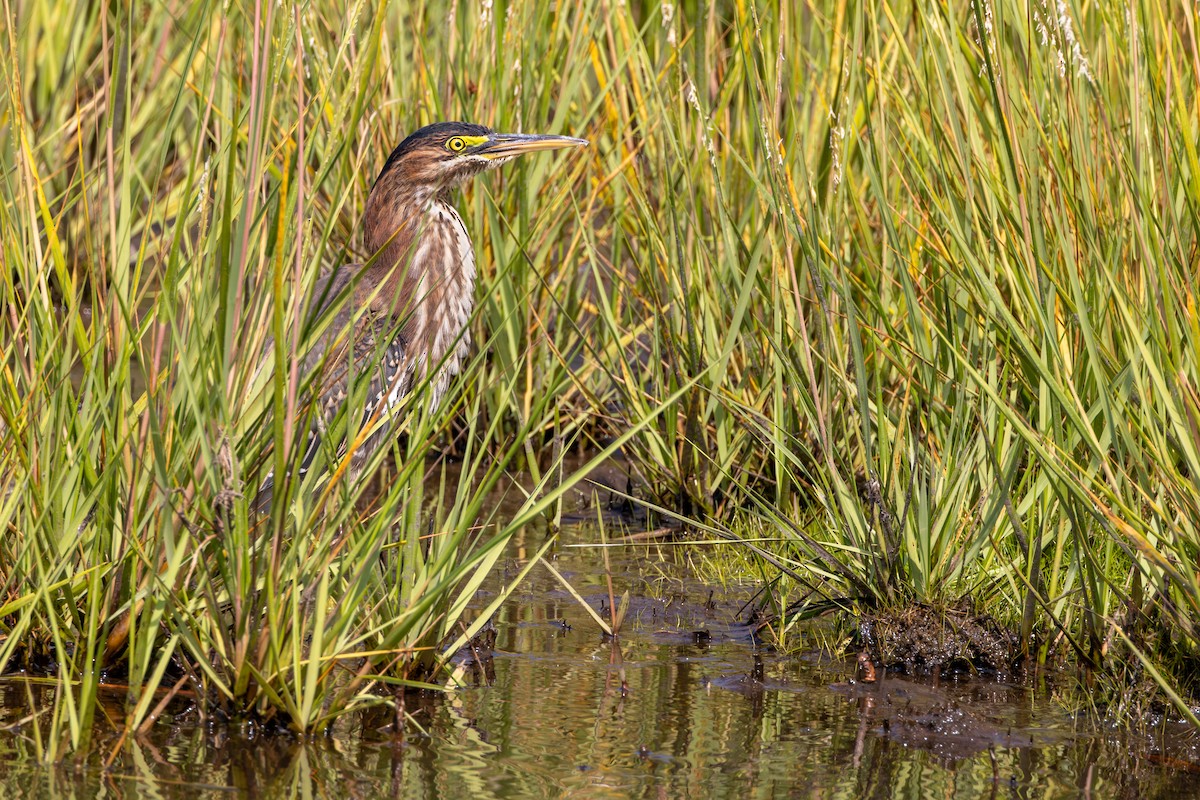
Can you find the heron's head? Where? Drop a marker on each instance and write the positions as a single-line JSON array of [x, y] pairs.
[[445, 154]]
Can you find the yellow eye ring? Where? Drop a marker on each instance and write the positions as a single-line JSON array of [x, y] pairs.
[[456, 144]]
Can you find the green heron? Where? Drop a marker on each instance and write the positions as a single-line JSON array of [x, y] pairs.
[[414, 299]]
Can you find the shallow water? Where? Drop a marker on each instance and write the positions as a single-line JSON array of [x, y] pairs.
[[687, 705]]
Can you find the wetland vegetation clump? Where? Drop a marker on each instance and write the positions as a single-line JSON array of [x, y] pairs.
[[896, 298]]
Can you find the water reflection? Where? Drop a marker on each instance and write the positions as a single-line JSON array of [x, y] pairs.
[[684, 705]]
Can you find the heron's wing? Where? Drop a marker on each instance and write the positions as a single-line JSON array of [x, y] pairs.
[[389, 382], [389, 373]]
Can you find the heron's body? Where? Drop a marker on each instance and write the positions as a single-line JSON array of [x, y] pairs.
[[416, 296], [423, 311]]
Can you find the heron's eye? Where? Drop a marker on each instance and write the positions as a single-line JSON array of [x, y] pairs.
[[456, 144]]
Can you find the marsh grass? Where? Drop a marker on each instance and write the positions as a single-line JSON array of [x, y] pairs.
[[906, 287], [932, 270]]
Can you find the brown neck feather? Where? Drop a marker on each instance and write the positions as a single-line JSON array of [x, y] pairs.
[[392, 224], [423, 273]]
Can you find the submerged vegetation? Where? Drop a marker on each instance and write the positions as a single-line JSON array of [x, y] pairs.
[[906, 288]]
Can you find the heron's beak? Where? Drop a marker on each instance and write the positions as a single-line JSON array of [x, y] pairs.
[[507, 145]]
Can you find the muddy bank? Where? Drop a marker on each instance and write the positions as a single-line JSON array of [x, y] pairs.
[[939, 641]]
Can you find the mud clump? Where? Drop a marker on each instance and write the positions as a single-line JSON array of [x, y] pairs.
[[927, 640]]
